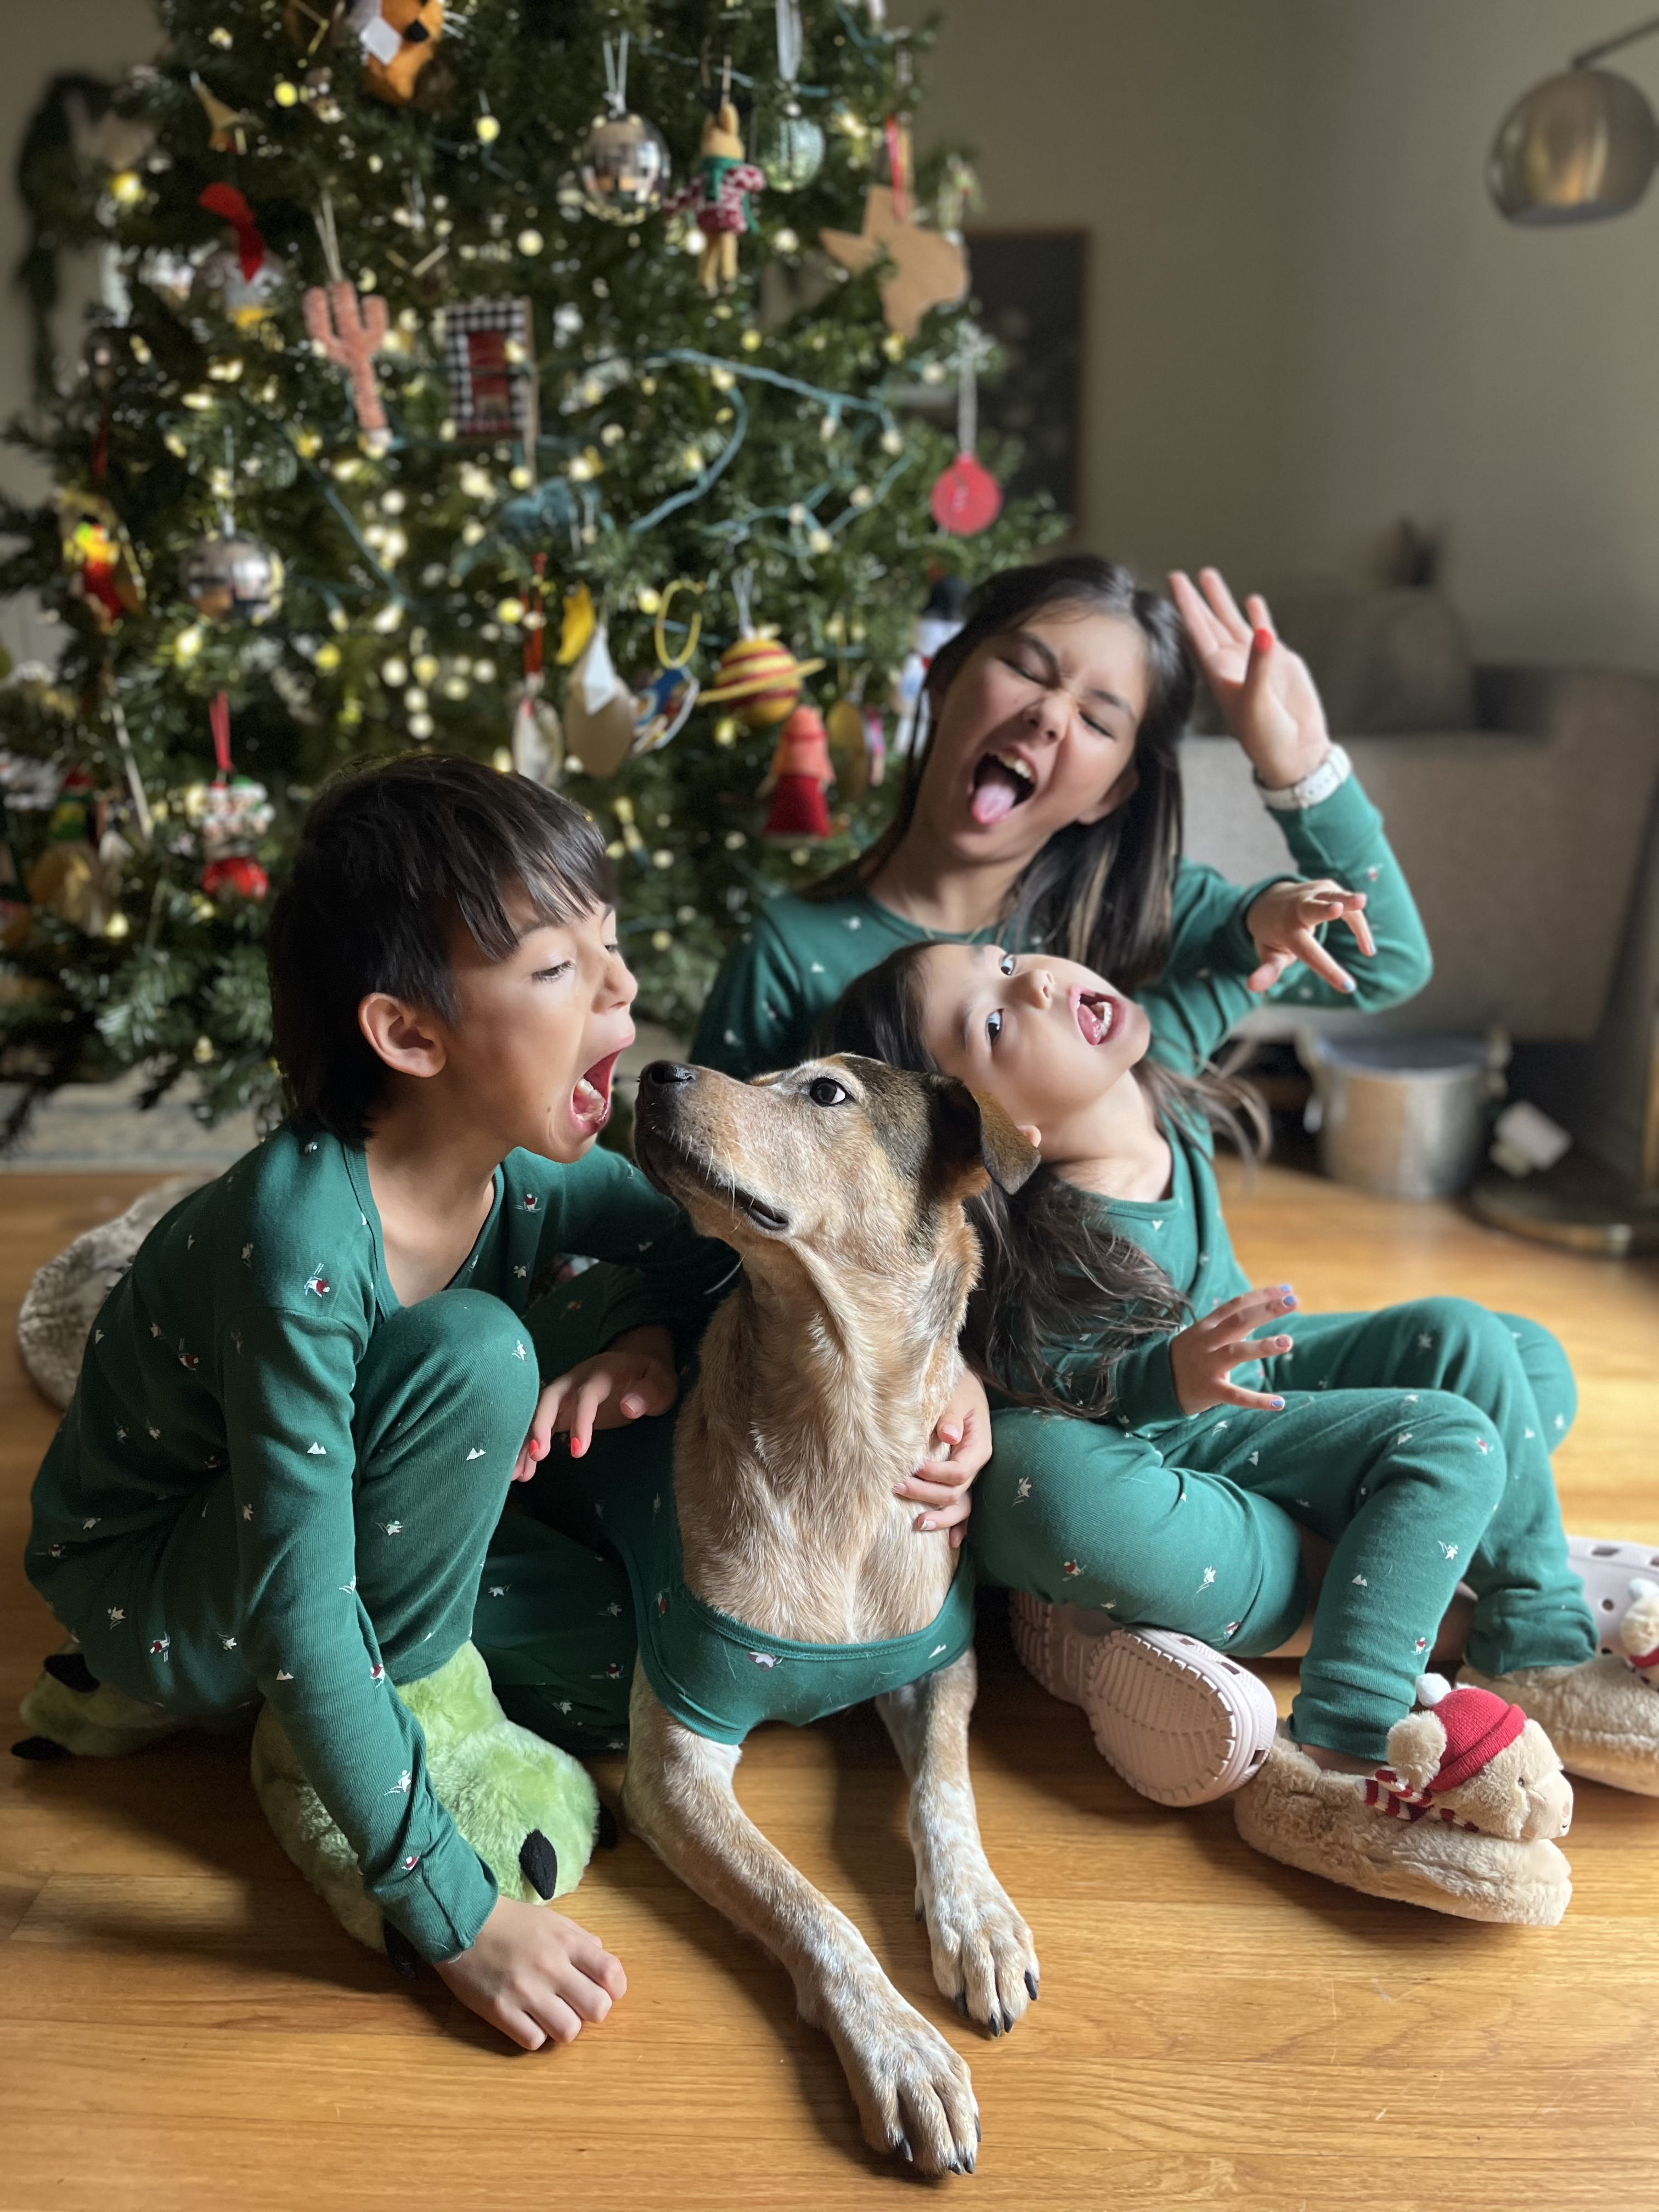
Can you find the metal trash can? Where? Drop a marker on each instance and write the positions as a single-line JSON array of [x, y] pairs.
[[1405, 1117]]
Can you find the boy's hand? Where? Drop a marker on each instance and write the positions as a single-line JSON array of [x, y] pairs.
[[1202, 1357], [1283, 922], [535, 1975], [962, 1442], [631, 1378], [1270, 701]]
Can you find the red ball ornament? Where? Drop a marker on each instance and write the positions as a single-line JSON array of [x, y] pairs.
[[237, 876], [967, 498]]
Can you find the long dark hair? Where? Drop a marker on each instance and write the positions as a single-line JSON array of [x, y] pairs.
[[1055, 1278], [1098, 893]]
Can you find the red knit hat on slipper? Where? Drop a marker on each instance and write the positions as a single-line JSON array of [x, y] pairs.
[[1479, 1724]]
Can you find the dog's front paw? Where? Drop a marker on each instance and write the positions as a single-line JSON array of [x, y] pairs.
[[915, 2095], [984, 1959]]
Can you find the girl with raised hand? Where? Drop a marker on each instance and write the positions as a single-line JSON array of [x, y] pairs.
[[1042, 810], [1159, 1462]]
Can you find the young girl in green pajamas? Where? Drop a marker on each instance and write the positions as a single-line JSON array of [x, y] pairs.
[[1154, 1464]]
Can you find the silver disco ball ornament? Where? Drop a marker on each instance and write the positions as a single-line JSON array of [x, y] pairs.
[[230, 579], [624, 169], [1577, 148], [791, 149]]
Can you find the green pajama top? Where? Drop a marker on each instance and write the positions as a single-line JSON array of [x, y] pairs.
[[234, 1341], [715, 1675], [799, 955], [1186, 1231]]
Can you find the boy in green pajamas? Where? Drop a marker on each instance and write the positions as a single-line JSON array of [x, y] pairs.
[[301, 1410], [1416, 1442]]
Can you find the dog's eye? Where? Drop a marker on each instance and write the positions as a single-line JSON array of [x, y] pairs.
[[824, 1091]]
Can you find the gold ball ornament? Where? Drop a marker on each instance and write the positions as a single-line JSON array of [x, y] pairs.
[[760, 678]]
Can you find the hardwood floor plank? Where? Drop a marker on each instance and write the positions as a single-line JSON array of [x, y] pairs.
[[182, 2025]]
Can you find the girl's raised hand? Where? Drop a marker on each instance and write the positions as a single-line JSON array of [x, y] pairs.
[[629, 1379], [1265, 695], [1202, 1357], [1283, 921]]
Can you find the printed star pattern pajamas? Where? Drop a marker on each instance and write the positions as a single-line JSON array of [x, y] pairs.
[[274, 1480]]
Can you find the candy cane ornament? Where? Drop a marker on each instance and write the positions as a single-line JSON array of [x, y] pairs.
[[351, 329]]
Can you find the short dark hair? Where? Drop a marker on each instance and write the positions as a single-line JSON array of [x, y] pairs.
[[1098, 892], [391, 857]]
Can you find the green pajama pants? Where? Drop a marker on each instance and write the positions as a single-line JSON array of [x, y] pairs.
[[1416, 1440], [423, 1517]]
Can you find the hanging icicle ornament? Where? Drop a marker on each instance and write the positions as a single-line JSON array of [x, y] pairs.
[[718, 196], [758, 676], [350, 329], [538, 745], [624, 168], [966, 497], [230, 816], [791, 147], [666, 702]]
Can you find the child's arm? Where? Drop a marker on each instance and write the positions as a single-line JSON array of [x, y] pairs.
[[1273, 710], [287, 1390]]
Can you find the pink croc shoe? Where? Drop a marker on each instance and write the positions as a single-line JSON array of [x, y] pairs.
[[1179, 1722]]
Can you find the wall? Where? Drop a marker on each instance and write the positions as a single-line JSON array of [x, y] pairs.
[[1308, 320], [99, 38]]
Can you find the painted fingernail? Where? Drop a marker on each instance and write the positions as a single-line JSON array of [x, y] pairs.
[[1278, 1404], [1290, 1299], [1264, 641]]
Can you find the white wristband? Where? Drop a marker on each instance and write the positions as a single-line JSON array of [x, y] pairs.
[[1318, 784]]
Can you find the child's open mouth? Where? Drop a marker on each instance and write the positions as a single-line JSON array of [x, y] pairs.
[[1093, 1012], [1002, 782], [590, 1100]]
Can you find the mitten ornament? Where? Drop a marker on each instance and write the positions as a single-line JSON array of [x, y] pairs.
[[797, 780], [719, 196], [1638, 1632]]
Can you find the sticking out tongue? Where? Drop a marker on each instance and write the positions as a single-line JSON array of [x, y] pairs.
[[997, 792]]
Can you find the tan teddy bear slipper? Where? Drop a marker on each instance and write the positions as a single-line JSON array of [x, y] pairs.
[[1602, 1716], [1461, 1820]]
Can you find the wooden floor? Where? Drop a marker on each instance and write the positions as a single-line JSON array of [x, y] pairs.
[[181, 2025]]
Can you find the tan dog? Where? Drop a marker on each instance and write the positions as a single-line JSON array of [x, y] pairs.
[[841, 1184]]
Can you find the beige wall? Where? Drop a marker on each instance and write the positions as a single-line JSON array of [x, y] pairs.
[[1307, 319], [43, 37]]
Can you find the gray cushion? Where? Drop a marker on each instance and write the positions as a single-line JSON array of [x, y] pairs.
[[1384, 661]]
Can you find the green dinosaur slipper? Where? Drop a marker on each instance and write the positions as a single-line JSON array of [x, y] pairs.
[[71, 1712], [528, 1809]]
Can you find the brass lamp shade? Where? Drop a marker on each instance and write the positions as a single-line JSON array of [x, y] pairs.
[[1577, 148]]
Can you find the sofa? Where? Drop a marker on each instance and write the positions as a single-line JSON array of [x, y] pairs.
[[1524, 803]]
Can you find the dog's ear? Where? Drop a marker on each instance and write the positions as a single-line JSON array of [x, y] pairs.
[[973, 1135]]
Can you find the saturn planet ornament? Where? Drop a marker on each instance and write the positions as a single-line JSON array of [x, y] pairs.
[[760, 678]]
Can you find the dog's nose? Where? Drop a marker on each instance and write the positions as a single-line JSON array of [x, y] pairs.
[[667, 1070]]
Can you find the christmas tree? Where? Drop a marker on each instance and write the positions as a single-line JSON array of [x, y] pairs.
[[488, 376]]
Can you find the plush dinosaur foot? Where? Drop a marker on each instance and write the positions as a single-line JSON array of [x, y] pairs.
[[70, 1712], [528, 1809], [1305, 1816]]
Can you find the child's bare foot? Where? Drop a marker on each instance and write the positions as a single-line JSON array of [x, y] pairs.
[[534, 1975]]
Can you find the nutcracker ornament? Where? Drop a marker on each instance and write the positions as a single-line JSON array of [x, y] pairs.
[[797, 780], [719, 195]]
